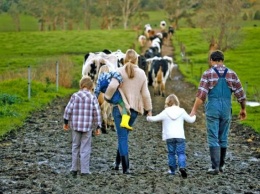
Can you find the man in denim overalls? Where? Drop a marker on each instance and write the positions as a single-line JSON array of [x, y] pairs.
[[215, 89]]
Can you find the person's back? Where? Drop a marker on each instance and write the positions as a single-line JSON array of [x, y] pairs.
[[136, 97], [215, 88], [132, 87], [173, 118], [83, 113], [173, 122], [135, 90]]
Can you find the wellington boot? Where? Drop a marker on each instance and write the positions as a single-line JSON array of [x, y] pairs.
[[118, 160], [223, 152], [125, 121], [125, 164], [215, 160]]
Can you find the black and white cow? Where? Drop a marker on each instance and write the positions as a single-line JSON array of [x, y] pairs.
[[170, 32], [147, 30], [157, 42], [152, 52], [163, 25], [93, 62], [142, 63], [142, 40], [160, 68]]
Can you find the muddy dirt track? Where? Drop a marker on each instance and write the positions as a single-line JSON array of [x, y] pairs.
[[37, 158]]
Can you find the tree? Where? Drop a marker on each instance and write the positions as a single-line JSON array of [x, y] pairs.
[[38, 10], [128, 8], [115, 11], [109, 11], [221, 22], [177, 9], [88, 6], [257, 15], [14, 11]]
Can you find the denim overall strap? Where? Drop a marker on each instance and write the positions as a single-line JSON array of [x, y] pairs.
[[221, 90], [218, 112], [224, 74]]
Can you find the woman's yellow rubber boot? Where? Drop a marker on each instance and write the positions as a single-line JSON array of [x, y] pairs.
[[125, 121]]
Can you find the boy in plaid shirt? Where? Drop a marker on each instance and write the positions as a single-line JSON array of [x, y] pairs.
[[83, 113]]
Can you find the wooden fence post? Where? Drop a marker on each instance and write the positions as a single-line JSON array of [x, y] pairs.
[[29, 82], [57, 76]]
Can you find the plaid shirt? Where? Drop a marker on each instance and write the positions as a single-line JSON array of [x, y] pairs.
[[210, 78], [83, 111]]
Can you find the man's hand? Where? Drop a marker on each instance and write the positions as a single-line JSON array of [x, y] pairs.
[[242, 114]]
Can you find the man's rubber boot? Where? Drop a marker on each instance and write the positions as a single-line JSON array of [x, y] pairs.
[[215, 160], [223, 152]]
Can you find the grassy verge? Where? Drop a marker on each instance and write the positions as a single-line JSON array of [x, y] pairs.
[[16, 106]]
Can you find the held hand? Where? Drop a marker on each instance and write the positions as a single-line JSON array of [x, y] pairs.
[[242, 114], [149, 113], [66, 127], [192, 113]]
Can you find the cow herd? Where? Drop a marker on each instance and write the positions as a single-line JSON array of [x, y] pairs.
[[158, 68]]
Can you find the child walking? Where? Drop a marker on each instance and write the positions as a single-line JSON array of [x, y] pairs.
[[83, 113], [173, 118], [103, 81]]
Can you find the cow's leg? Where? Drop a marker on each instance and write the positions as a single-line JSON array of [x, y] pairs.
[[154, 87], [104, 121], [163, 89], [103, 127]]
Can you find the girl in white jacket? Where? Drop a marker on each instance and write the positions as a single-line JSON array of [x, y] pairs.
[[173, 118]]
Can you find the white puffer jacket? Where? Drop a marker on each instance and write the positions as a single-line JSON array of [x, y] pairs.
[[172, 118]]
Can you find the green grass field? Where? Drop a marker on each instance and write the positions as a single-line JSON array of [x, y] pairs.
[[41, 50]]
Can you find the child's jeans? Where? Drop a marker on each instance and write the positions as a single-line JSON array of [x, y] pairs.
[[176, 146]]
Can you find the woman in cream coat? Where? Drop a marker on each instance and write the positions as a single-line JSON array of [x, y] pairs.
[[137, 98]]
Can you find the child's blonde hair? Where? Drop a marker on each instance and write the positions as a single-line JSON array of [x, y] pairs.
[[86, 82], [103, 68], [172, 100]]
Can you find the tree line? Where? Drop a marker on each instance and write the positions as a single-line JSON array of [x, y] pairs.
[[221, 19]]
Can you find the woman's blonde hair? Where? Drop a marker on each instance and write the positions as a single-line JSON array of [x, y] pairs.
[[86, 82], [131, 58], [172, 100]]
